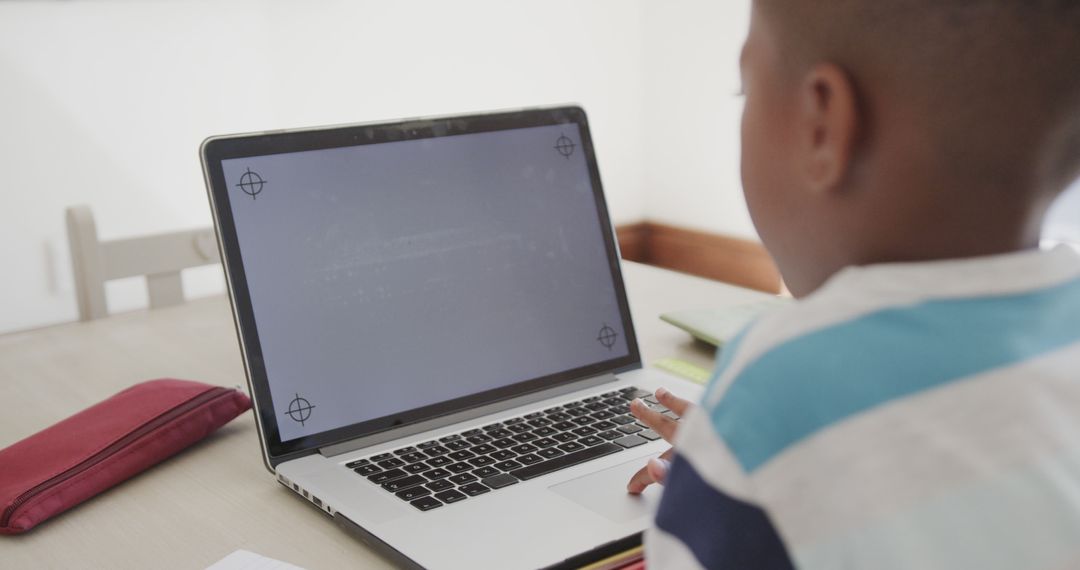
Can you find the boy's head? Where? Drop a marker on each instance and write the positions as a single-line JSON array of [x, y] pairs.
[[901, 130]]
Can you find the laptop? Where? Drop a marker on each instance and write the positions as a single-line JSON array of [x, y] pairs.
[[436, 334]]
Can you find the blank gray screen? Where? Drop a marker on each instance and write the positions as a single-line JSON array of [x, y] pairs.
[[388, 277]]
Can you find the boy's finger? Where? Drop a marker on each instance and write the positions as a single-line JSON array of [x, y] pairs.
[[673, 402], [640, 481], [659, 423], [643, 478]]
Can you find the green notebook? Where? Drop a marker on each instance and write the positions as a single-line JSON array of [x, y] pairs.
[[718, 326]]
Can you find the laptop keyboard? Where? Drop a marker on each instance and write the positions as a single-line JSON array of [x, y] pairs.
[[453, 468]]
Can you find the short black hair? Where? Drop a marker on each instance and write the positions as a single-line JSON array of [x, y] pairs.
[[998, 81]]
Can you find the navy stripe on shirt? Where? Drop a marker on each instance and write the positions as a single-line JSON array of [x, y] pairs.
[[721, 531]]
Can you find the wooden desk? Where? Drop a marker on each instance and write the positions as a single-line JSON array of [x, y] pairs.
[[217, 497]]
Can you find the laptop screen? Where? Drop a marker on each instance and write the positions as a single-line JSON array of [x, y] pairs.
[[396, 276]]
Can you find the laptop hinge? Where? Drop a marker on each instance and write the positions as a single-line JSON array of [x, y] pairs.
[[462, 416]]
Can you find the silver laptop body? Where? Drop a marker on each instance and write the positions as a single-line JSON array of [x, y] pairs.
[[436, 334]]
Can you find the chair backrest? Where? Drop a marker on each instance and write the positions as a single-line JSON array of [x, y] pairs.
[[159, 257]]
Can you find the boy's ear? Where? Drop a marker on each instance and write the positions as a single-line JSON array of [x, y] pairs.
[[829, 122]]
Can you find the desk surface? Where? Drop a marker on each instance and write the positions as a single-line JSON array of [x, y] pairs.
[[216, 497]]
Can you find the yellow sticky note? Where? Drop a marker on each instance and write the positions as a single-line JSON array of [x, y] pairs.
[[684, 369]]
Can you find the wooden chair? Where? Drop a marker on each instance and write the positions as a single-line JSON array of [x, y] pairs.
[[159, 257]]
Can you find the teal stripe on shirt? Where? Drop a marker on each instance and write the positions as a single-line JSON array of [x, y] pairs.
[[823, 377]]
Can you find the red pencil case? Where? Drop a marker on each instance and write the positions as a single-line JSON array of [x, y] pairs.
[[106, 444]]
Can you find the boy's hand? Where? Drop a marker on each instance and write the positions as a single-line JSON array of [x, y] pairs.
[[656, 470]]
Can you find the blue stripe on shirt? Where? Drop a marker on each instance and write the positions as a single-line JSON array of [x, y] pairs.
[[721, 531], [823, 377]]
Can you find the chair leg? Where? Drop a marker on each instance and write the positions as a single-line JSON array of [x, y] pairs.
[[86, 263]]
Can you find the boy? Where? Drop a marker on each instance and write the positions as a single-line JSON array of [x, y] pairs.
[[920, 406]]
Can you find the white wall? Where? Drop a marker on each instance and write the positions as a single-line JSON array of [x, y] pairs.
[[692, 116], [104, 102]]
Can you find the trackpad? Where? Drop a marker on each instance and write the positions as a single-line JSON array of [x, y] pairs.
[[604, 492]]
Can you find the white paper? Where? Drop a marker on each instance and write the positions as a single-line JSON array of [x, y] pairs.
[[247, 560]]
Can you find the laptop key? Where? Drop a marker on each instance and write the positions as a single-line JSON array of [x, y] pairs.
[[426, 503], [635, 394], [483, 448], [450, 438], [474, 489], [552, 410], [460, 467], [524, 437], [416, 467], [570, 446], [504, 443], [564, 426], [478, 439], [481, 461], [366, 470], [513, 421], [591, 399], [611, 394], [611, 434], [569, 460], [439, 461], [391, 463], [584, 420], [623, 420], [457, 445], [631, 441], [403, 483], [385, 476], [461, 455], [436, 450], [543, 442], [500, 481], [436, 474], [439, 485], [382, 457], [559, 417], [493, 426], [539, 423], [463, 478], [544, 431], [413, 493], [451, 496], [413, 457], [529, 459], [591, 440], [472, 432], [519, 428], [523, 448], [584, 431], [405, 450], [503, 455], [564, 437], [357, 463], [508, 465], [630, 428], [486, 472], [649, 435], [549, 453], [500, 433], [603, 415], [533, 415], [427, 444]]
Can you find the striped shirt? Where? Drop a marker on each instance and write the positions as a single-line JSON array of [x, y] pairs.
[[922, 415]]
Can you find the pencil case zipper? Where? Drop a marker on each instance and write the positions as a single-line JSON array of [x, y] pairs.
[[148, 427]]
